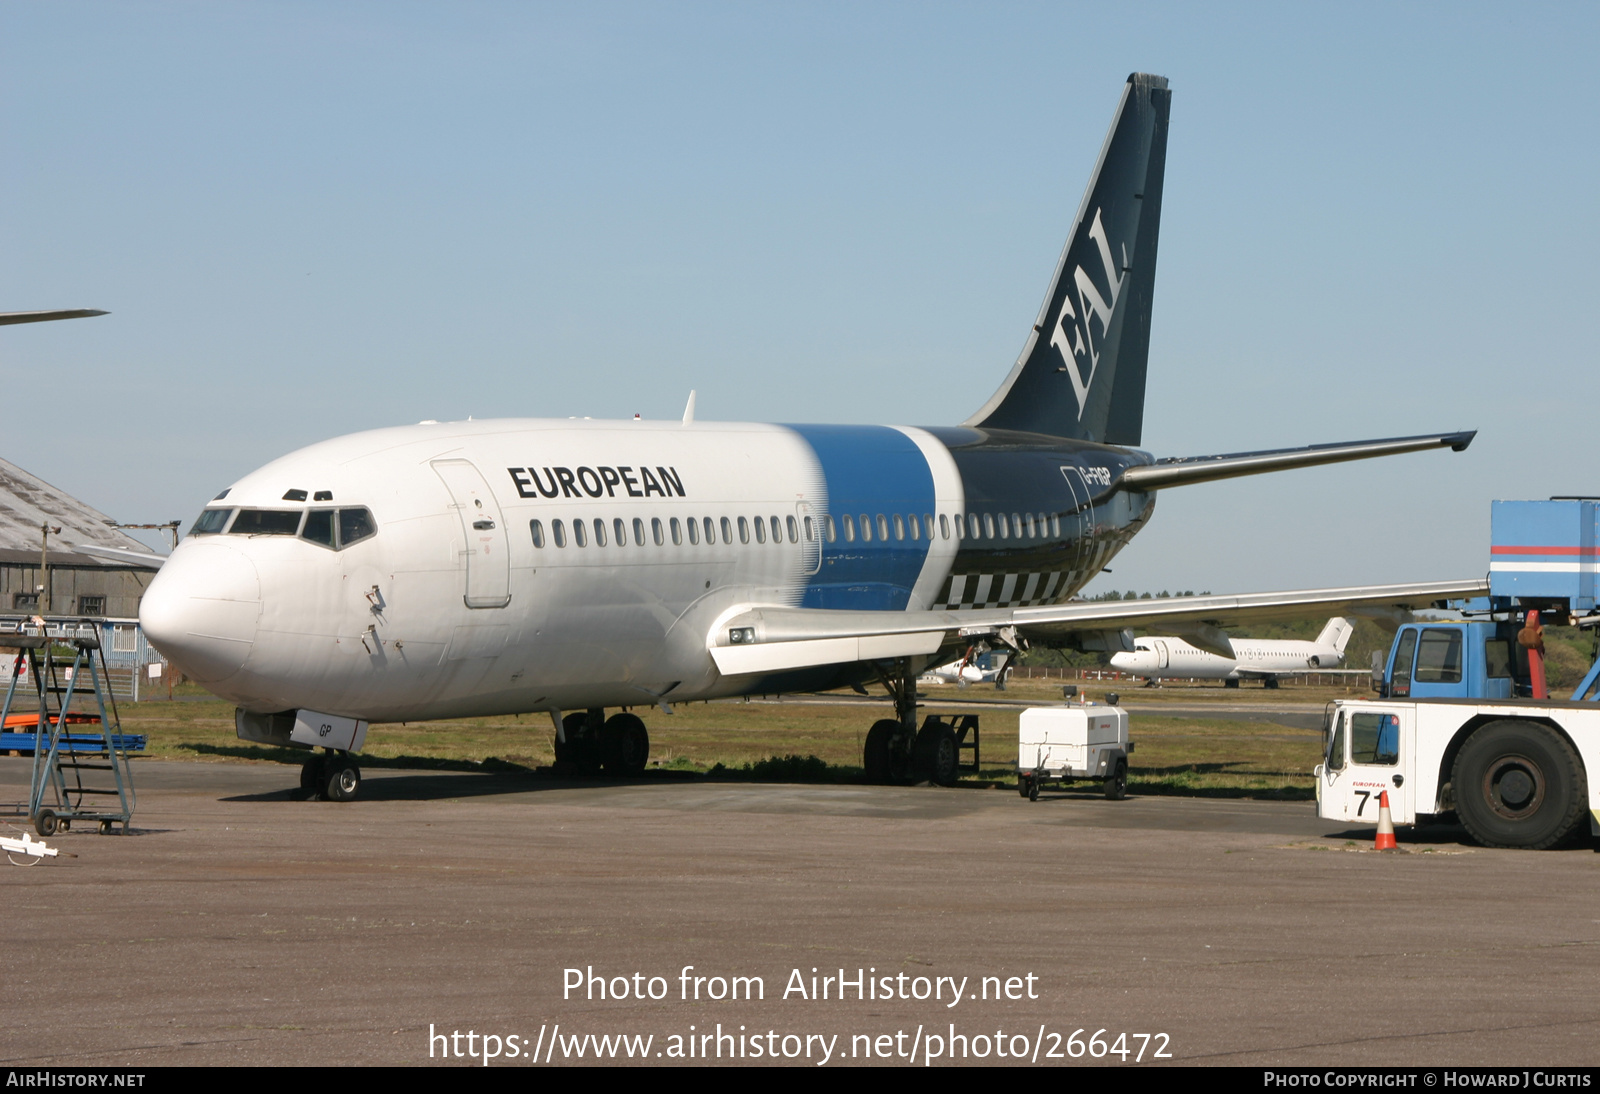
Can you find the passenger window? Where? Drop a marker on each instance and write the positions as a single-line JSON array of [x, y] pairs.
[[883, 528], [988, 526], [537, 528], [744, 530], [266, 522], [1055, 525], [319, 527], [829, 529], [1439, 657], [599, 532], [975, 526], [944, 527], [849, 528], [211, 521], [761, 530], [727, 531], [1335, 757], [694, 532], [558, 532], [638, 532], [866, 528], [355, 525], [811, 531], [580, 535], [899, 527], [655, 531], [777, 529], [711, 532], [1400, 685], [1374, 739], [1029, 524], [794, 533], [619, 532]]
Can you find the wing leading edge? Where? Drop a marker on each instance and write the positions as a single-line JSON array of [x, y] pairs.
[[777, 639]]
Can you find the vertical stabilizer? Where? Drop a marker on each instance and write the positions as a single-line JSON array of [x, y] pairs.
[[1336, 633], [1081, 374]]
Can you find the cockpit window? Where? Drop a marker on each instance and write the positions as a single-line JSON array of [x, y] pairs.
[[266, 522], [211, 521], [354, 526], [319, 527]]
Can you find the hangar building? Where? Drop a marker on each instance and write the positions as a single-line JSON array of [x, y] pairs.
[[79, 584]]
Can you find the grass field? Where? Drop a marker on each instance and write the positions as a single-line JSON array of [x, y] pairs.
[[1208, 757]]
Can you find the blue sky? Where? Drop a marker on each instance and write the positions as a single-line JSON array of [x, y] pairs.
[[309, 219]]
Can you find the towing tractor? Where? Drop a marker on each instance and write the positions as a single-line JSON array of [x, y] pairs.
[[1464, 723]]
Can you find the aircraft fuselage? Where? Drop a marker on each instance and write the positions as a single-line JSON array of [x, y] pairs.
[[520, 565]]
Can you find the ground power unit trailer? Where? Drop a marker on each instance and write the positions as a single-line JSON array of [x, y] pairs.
[[1464, 724]]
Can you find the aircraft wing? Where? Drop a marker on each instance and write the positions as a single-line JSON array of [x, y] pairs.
[[9, 317], [117, 554], [777, 639]]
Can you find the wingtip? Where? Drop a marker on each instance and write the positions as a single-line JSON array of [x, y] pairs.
[[1459, 441]]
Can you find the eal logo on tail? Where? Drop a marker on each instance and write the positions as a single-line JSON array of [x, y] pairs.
[[1072, 336]]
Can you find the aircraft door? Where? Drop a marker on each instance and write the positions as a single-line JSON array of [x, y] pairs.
[[810, 538], [1077, 525], [1163, 655], [1368, 753], [485, 545]]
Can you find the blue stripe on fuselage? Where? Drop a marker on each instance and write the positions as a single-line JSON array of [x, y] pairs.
[[870, 469]]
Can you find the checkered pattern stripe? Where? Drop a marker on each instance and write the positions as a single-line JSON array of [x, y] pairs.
[[1003, 590]]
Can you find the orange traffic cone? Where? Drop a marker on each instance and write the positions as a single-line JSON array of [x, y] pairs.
[[1385, 840]]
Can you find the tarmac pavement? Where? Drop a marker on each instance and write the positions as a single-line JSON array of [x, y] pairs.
[[236, 924]]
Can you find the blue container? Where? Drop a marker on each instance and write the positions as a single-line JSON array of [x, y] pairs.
[[1544, 550]]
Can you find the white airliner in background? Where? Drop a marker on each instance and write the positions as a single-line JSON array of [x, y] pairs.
[[574, 567], [1265, 659]]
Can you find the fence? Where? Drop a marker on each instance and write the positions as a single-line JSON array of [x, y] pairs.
[[1355, 679]]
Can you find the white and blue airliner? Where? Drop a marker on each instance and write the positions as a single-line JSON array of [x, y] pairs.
[[579, 567]]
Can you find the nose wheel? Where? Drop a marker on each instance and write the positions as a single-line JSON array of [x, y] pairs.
[[333, 776]]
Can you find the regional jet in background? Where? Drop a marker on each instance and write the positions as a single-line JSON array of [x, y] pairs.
[[576, 567], [1266, 659]]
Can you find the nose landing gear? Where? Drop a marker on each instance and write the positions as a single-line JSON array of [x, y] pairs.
[[589, 743], [334, 776]]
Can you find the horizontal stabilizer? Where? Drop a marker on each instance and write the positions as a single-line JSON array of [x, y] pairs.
[[1188, 470]]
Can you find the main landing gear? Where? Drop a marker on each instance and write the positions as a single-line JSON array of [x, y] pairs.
[[333, 776], [590, 743], [896, 751]]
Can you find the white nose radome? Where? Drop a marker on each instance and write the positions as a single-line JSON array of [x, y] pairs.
[[202, 609]]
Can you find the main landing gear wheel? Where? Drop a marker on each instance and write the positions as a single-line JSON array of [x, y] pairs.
[[1116, 784], [624, 746], [937, 754], [1519, 784], [341, 777], [887, 755]]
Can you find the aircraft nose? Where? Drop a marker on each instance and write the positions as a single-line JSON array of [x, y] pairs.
[[202, 609]]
